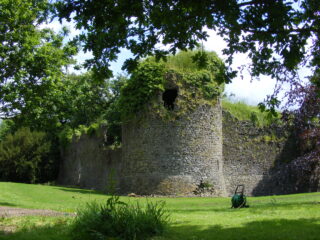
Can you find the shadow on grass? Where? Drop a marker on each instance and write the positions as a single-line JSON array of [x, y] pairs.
[[261, 207], [8, 204], [278, 229], [78, 190], [52, 232]]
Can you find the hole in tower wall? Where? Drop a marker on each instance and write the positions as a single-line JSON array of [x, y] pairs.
[[168, 97]]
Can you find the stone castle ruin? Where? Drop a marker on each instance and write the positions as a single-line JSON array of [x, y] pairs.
[[181, 140], [163, 157]]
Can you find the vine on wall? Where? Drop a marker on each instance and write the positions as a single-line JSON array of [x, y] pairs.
[[198, 77]]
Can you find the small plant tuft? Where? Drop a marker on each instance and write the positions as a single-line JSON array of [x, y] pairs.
[[118, 220], [203, 188]]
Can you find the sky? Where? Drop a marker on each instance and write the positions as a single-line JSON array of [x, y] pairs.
[[241, 89]]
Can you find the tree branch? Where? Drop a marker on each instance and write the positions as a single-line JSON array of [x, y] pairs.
[[248, 3], [298, 30]]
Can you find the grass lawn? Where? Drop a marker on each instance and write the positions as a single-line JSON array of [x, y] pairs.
[[283, 217]]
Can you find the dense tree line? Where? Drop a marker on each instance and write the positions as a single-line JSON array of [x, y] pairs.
[[30, 136], [38, 99]]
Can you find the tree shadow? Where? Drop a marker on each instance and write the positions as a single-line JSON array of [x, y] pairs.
[[289, 174], [279, 229], [59, 231], [8, 204], [254, 208], [256, 205], [78, 190]]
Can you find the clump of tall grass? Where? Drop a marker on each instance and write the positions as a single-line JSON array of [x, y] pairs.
[[118, 220]]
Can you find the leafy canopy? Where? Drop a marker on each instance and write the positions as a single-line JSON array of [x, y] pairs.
[[275, 34], [31, 59]]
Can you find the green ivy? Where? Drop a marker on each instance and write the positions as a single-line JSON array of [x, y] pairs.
[[144, 82], [198, 75], [68, 134]]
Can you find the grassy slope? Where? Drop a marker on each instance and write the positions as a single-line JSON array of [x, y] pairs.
[[243, 111], [276, 217], [45, 197]]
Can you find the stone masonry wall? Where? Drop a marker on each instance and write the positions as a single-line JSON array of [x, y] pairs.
[[171, 158], [252, 155], [88, 163]]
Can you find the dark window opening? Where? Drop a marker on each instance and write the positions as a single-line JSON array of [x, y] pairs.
[[168, 97]]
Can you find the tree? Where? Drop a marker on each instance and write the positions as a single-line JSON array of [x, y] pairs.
[[34, 89], [307, 121], [274, 33], [82, 100], [31, 59], [25, 157], [6, 127], [305, 169], [38, 98], [71, 101]]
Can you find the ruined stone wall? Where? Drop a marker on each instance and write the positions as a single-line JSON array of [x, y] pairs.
[[253, 156], [87, 163], [172, 157]]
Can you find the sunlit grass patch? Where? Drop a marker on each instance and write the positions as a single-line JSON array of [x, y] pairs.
[[289, 217]]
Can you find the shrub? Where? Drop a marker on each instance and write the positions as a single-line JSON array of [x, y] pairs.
[[22, 154], [118, 220], [6, 127]]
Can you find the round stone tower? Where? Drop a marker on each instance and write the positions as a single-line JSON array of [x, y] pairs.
[[173, 144], [172, 158]]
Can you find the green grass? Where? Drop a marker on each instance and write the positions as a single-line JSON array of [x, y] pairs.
[[46, 197], [244, 112], [273, 217], [35, 228]]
